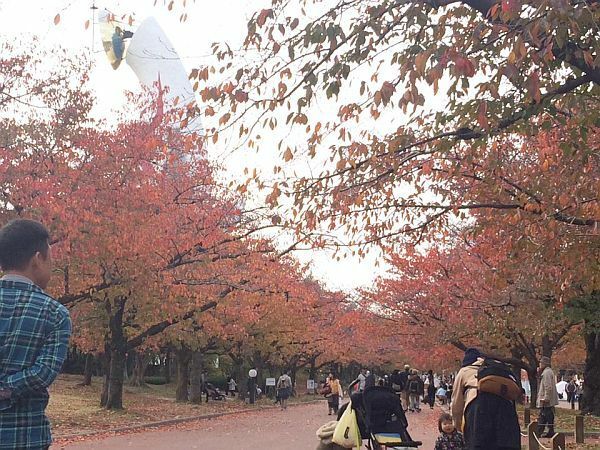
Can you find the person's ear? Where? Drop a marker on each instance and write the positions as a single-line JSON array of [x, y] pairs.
[[37, 259]]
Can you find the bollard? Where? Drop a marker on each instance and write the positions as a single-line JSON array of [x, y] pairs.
[[579, 430], [532, 441], [558, 442], [527, 416]]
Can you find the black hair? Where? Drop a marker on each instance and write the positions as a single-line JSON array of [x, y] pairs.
[[444, 418], [20, 240]]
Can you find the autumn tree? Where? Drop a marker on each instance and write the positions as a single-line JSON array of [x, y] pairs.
[[134, 209], [512, 138], [475, 293]]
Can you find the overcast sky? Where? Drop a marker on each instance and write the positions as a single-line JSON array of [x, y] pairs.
[[208, 21]]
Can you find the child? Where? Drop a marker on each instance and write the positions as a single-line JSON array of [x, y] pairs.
[[450, 438]]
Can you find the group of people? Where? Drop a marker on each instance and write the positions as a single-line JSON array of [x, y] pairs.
[[490, 421], [573, 390], [331, 388], [413, 386], [478, 420]]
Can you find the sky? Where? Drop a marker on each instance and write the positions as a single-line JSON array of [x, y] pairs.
[[207, 21]]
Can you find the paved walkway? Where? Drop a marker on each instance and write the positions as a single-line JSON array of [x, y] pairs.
[[293, 429]]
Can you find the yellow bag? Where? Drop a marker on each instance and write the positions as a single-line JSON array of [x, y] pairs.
[[346, 432]]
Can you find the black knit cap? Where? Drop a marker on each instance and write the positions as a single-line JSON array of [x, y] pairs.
[[471, 355]]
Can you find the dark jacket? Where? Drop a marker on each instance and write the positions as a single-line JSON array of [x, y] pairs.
[[420, 388], [403, 377], [491, 423], [452, 441], [369, 380]]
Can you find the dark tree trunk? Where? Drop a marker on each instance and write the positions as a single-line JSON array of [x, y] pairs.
[[112, 397], [106, 374], [183, 356], [88, 370], [168, 367], [547, 346], [293, 372], [117, 374], [141, 361], [241, 376], [591, 388], [533, 385], [196, 384], [312, 369]]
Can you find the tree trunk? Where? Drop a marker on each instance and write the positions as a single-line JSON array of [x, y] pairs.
[[167, 371], [183, 356], [88, 370], [112, 397], [117, 374], [533, 385], [547, 346], [241, 377], [293, 373], [106, 375], [196, 385], [141, 361], [591, 388], [312, 369]]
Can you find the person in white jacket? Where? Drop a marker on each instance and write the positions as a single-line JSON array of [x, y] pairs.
[[547, 398]]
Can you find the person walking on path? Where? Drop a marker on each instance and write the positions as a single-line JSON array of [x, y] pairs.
[[547, 398], [34, 335], [430, 389], [284, 389], [369, 379], [579, 394], [231, 386], [403, 383], [359, 381], [450, 438], [571, 392], [488, 421], [396, 382], [415, 390], [335, 392]]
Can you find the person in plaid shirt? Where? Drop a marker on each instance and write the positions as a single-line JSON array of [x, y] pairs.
[[34, 335]]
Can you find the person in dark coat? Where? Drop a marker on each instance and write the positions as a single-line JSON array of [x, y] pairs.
[[492, 424], [403, 383], [490, 421], [430, 389], [369, 379]]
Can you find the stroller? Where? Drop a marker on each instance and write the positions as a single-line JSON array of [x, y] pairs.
[[381, 419], [213, 392]]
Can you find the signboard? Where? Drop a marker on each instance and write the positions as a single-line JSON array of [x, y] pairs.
[[270, 382], [310, 384]]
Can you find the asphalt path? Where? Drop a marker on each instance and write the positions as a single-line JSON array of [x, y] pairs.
[[271, 429]]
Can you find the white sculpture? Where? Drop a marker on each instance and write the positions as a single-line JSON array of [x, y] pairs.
[[152, 57]]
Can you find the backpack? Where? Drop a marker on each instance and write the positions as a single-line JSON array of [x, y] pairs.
[[283, 383], [496, 378], [413, 386]]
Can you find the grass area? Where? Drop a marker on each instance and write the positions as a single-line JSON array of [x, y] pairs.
[[76, 409], [573, 446], [565, 419]]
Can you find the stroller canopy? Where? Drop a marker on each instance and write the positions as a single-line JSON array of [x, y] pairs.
[[385, 418]]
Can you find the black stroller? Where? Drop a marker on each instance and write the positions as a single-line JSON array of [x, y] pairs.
[[213, 392], [381, 419]]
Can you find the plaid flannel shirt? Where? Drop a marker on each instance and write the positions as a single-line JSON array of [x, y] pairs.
[[34, 338]]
